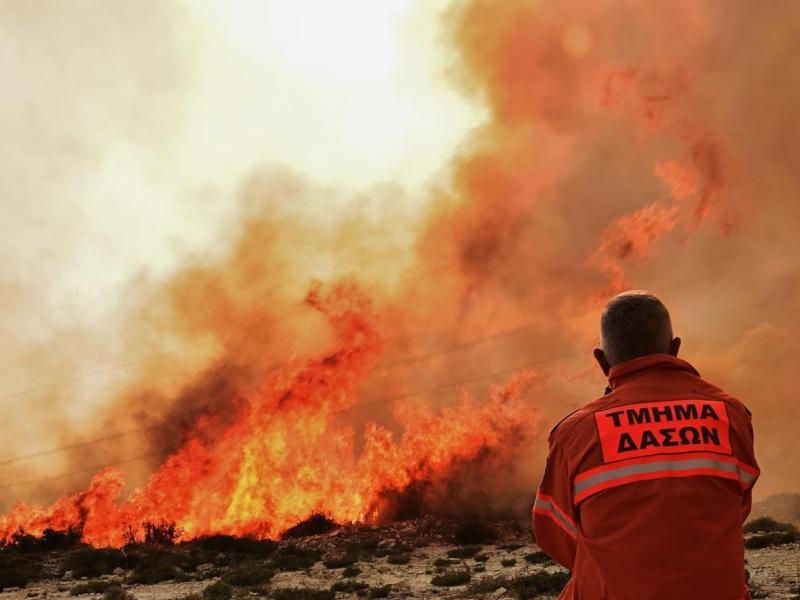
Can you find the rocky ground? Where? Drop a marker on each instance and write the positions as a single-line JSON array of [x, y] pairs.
[[415, 559], [774, 571]]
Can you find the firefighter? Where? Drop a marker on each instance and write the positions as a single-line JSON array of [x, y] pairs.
[[645, 489]]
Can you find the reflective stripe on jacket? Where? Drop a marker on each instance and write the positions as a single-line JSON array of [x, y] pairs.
[[645, 490]]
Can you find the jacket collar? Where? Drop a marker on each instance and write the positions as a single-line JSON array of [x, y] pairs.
[[624, 371]]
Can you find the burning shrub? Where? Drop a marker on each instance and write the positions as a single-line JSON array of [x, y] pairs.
[[161, 534], [464, 552], [218, 591], [314, 525], [474, 532], [165, 533], [303, 594], [451, 578], [24, 542], [50, 540], [93, 562]]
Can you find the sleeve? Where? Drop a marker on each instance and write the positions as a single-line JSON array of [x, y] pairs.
[[747, 464], [554, 516]]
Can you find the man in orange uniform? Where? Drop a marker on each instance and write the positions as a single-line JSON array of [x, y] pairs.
[[646, 488]]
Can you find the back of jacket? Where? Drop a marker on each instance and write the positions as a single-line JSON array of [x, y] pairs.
[[646, 489]]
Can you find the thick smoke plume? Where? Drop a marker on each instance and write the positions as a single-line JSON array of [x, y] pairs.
[[378, 362]]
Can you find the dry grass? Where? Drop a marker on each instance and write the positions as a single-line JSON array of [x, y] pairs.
[[451, 578]]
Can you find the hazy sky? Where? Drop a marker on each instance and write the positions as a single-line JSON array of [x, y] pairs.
[[129, 128]]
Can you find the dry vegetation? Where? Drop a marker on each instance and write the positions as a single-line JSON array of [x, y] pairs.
[[426, 558]]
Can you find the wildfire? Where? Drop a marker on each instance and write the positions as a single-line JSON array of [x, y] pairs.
[[284, 457], [607, 140]]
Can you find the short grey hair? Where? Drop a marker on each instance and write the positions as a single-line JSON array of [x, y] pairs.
[[635, 323]]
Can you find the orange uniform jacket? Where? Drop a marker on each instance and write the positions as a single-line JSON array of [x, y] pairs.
[[646, 489]]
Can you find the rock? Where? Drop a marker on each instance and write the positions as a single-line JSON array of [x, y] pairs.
[[118, 571], [499, 592], [11, 589], [387, 542], [68, 576], [204, 567]]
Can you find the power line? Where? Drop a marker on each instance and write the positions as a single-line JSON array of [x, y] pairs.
[[77, 445], [409, 360], [77, 471], [416, 393], [53, 384], [736, 269], [483, 376]]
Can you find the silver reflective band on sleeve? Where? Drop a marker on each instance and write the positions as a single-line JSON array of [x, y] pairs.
[[554, 513], [746, 477]]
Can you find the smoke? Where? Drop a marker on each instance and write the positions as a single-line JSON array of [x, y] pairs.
[[626, 145], [86, 110], [652, 144]]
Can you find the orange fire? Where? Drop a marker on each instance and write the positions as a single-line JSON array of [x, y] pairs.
[[285, 457]]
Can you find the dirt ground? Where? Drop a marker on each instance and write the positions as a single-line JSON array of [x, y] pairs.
[[774, 571]]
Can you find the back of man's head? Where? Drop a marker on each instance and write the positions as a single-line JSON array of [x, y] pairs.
[[634, 324]]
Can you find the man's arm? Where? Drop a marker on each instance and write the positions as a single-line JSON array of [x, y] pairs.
[[554, 519], [748, 467]]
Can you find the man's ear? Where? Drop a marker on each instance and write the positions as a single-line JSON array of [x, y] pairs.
[[602, 360], [674, 346]]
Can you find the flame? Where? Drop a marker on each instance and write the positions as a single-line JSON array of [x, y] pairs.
[[284, 457]]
